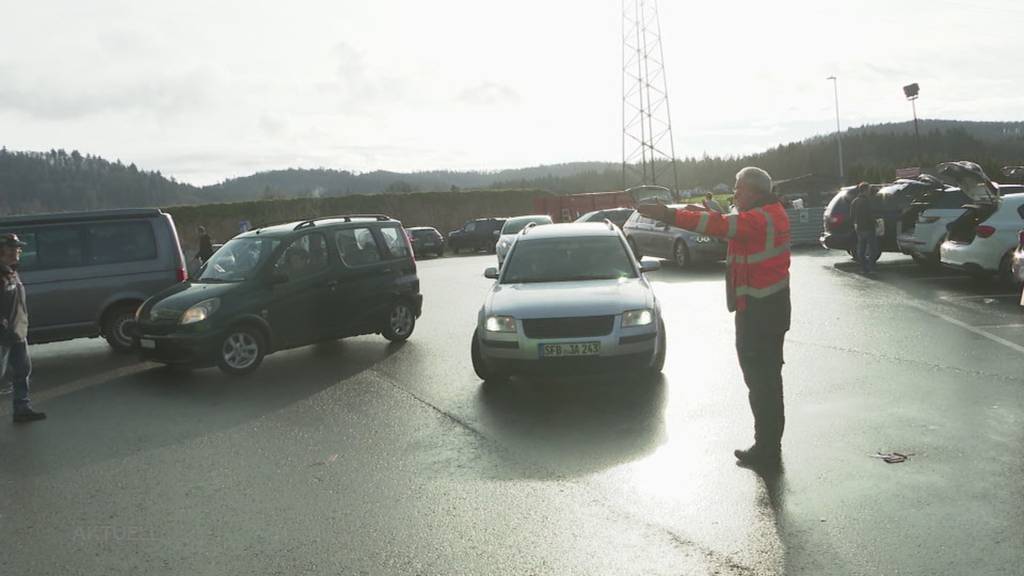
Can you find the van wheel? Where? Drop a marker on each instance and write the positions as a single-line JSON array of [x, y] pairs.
[[400, 323], [114, 327], [483, 371], [241, 351], [681, 254]]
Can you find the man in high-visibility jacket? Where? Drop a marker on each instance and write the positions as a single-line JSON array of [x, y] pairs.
[[757, 290]]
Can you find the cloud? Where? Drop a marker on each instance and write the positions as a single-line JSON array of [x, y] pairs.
[[356, 85], [46, 99], [489, 94]]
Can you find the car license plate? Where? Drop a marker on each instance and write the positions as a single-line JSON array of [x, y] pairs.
[[570, 349], [147, 343]]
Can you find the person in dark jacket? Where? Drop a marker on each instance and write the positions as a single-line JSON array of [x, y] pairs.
[[757, 290], [863, 218], [205, 246], [14, 328]]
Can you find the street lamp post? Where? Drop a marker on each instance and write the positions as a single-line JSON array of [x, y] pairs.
[[839, 138], [911, 91]]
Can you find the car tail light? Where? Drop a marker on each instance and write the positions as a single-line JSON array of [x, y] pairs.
[[836, 220], [1020, 238], [182, 274], [985, 231]]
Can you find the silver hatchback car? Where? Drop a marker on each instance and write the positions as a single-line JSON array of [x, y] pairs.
[[570, 298]]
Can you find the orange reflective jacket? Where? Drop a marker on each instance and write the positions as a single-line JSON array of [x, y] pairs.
[[758, 256]]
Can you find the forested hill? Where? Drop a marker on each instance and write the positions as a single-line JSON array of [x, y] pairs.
[[58, 180], [63, 181]]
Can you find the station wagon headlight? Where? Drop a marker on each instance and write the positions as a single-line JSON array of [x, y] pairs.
[[200, 311], [641, 317], [500, 324]]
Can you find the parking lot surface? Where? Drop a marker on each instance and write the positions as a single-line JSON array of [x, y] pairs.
[[364, 457]]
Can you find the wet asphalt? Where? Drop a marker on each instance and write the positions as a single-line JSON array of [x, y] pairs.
[[360, 457]]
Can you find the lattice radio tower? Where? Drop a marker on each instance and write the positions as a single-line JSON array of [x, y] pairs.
[[648, 152]]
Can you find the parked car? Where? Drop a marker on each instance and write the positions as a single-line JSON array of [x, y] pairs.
[[476, 235], [86, 273], [426, 240], [890, 203], [618, 216], [649, 237], [286, 286], [512, 228], [983, 240], [569, 297]]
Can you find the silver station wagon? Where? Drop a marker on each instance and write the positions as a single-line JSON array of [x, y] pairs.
[[570, 298]]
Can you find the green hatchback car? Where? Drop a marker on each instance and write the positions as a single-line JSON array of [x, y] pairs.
[[283, 287]]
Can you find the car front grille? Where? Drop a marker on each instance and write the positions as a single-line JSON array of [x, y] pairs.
[[577, 327]]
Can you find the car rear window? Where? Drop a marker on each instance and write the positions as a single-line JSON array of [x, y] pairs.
[[357, 246], [394, 240]]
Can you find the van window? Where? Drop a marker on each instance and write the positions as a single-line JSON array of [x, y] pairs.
[[357, 246], [51, 248], [114, 242], [394, 239], [470, 227]]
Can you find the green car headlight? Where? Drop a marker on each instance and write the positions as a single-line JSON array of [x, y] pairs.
[[200, 311]]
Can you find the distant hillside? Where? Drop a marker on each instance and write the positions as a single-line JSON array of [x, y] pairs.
[[324, 182], [57, 180]]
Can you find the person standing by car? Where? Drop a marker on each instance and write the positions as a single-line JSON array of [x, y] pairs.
[[864, 226], [757, 290], [205, 246], [14, 328]]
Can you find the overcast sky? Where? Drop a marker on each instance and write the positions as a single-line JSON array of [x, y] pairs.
[[207, 90]]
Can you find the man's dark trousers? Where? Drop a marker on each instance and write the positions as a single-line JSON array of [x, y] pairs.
[[759, 349], [14, 357]]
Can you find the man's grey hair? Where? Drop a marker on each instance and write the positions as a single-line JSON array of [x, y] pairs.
[[758, 179]]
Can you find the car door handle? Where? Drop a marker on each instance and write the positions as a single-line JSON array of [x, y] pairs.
[[333, 284]]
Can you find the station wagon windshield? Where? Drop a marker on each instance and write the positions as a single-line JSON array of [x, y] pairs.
[[238, 260], [567, 260]]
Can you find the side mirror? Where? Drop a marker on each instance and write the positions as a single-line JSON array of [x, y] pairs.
[[278, 278], [491, 273], [649, 266]]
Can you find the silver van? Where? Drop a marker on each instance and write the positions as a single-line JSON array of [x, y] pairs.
[[85, 273]]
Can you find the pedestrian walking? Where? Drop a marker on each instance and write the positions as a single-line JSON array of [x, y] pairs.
[[757, 290], [14, 329], [205, 246], [862, 215]]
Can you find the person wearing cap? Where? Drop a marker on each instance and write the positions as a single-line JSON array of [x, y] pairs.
[[14, 328], [757, 290]]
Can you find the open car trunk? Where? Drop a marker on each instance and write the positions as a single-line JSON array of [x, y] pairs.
[[984, 195], [963, 229]]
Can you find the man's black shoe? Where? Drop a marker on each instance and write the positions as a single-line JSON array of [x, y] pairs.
[[29, 415], [758, 456]]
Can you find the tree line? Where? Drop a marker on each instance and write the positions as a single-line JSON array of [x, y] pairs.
[[58, 180]]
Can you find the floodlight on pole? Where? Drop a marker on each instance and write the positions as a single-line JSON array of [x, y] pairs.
[[911, 91], [839, 138]]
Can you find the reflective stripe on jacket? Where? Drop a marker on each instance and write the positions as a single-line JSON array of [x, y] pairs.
[[758, 255]]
